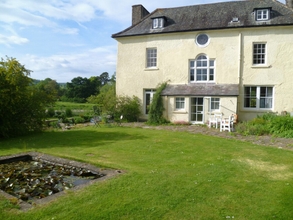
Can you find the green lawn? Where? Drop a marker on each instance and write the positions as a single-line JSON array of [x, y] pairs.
[[73, 106], [168, 175]]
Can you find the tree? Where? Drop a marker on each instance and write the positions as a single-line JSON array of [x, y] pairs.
[[79, 89], [108, 103], [104, 78], [106, 100], [50, 87], [22, 105]]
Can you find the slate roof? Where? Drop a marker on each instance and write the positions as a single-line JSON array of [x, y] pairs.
[[212, 16], [201, 89]]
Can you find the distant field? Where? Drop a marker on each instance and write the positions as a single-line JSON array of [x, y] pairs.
[[73, 106]]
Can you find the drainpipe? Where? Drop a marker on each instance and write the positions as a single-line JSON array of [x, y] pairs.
[[239, 71]]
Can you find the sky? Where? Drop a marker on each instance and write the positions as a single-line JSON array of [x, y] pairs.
[[65, 39]]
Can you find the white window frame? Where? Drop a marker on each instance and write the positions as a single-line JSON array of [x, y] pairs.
[[262, 98], [150, 93], [179, 103], [198, 41], [262, 14], [151, 57], [213, 102], [259, 53], [201, 64], [158, 23]]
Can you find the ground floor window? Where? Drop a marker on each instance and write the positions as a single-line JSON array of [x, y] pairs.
[[179, 103], [215, 104], [148, 97], [258, 97]]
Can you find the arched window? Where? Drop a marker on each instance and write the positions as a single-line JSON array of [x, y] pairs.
[[202, 69]]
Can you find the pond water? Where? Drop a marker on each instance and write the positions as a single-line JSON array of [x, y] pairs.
[[27, 178]]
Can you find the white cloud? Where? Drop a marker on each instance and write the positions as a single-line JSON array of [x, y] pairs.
[[30, 12], [71, 31], [65, 67], [8, 40], [17, 15]]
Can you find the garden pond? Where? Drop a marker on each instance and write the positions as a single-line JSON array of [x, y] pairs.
[[34, 176]]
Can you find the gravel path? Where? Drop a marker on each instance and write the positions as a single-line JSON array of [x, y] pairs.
[[266, 140]]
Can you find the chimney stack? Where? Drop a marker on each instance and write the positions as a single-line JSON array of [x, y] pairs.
[[289, 3], [138, 13]]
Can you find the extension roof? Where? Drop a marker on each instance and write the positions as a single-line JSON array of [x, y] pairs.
[[211, 17], [201, 89]]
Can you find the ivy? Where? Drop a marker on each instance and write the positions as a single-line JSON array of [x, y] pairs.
[[157, 107]]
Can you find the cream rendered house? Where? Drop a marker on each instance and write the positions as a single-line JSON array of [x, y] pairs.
[[230, 58]]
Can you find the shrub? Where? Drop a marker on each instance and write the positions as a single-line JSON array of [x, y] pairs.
[[281, 125], [248, 128], [50, 112], [79, 120], [128, 107], [269, 123], [68, 112], [269, 116], [86, 118], [23, 105]]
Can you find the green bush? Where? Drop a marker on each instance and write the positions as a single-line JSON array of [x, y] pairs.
[[86, 118], [128, 107], [50, 112], [281, 124], [269, 123], [251, 128], [79, 120], [23, 105], [68, 112], [54, 124]]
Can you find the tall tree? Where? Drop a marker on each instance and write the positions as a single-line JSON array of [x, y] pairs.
[[22, 106], [104, 78], [79, 89], [50, 87]]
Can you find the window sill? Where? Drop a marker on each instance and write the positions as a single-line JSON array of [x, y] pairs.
[[151, 69], [261, 66], [257, 110], [202, 81], [180, 112]]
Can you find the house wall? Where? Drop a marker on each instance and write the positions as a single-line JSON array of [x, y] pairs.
[[278, 71], [232, 50]]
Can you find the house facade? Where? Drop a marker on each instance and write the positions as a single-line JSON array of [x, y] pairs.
[[229, 58]]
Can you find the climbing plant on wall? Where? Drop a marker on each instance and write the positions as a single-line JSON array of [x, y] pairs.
[[157, 107]]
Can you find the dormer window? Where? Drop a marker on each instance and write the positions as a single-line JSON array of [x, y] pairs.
[[158, 22], [262, 14]]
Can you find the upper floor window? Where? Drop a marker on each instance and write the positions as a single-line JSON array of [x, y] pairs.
[[179, 103], [258, 97], [151, 60], [202, 69], [158, 22], [202, 40], [262, 14], [259, 53]]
